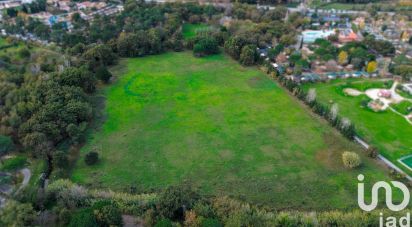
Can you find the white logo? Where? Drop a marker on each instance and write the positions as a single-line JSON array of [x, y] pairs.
[[388, 194]]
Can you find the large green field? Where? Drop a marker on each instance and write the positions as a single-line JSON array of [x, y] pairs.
[[386, 130], [222, 127]]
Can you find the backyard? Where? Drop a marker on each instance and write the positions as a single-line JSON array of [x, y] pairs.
[[386, 130], [224, 128]]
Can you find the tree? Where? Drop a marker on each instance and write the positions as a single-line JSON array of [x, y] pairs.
[[343, 57], [60, 160], [24, 53], [351, 159], [205, 46], [248, 55], [371, 67], [274, 52], [103, 74], [100, 54], [234, 45], [6, 144], [79, 77], [91, 158]]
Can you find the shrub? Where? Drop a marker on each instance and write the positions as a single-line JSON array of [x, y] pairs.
[[14, 163], [351, 159], [67, 194], [17, 214], [24, 53], [83, 218], [174, 200], [210, 222], [91, 158], [164, 222], [372, 152], [205, 46], [107, 214], [6, 144]]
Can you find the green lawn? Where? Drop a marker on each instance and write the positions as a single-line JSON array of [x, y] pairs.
[[388, 131], [189, 30], [2, 41], [227, 129], [403, 107]]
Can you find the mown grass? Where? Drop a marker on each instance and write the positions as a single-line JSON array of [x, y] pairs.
[[2, 41], [222, 127], [189, 30], [404, 107], [386, 130], [13, 163]]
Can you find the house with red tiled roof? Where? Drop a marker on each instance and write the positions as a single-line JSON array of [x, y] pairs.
[[348, 35]]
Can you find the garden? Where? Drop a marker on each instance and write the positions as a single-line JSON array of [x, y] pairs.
[[386, 129]]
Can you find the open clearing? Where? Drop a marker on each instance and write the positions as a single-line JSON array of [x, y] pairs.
[[388, 131], [189, 30], [226, 129]]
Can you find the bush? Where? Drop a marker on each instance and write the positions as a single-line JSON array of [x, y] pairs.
[[210, 222], [205, 46], [14, 163], [164, 222], [91, 158], [351, 159], [107, 214], [17, 214], [24, 53], [174, 200], [83, 218], [6, 144], [372, 152]]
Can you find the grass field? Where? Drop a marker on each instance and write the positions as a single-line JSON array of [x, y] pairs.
[[189, 30], [2, 41], [404, 107], [388, 131], [226, 129]]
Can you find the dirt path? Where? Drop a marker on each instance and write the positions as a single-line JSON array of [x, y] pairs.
[[26, 178]]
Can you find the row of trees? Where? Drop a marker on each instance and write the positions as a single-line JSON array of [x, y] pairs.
[[176, 205]]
